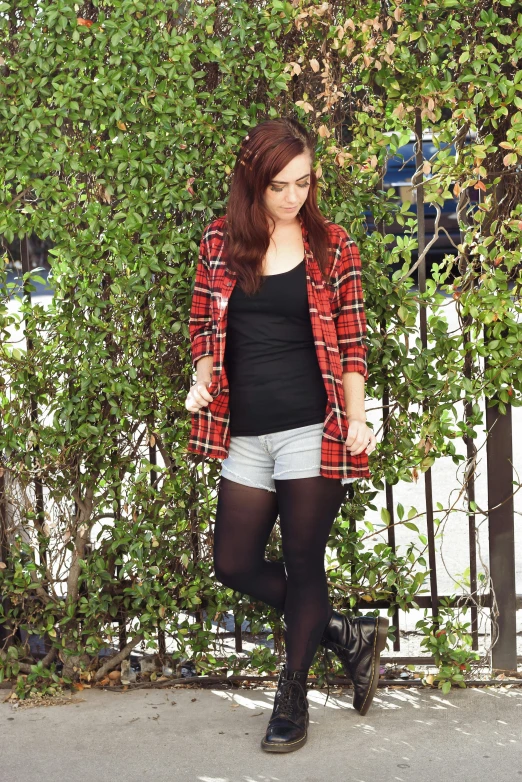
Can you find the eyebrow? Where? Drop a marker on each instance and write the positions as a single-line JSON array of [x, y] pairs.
[[278, 181]]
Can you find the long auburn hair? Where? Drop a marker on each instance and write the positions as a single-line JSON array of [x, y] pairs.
[[264, 152]]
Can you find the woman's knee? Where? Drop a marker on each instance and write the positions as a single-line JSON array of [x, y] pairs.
[[222, 571], [227, 571]]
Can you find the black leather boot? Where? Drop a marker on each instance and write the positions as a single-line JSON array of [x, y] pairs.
[[288, 726], [358, 644]]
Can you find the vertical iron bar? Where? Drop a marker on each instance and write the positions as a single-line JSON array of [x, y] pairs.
[[389, 506], [352, 527], [421, 234], [237, 635], [153, 458], [122, 617], [4, 547], [38, 486], [388, 488], [471, 449], [471, 452]]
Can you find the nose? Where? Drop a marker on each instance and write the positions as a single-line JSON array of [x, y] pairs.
[[292, 198]]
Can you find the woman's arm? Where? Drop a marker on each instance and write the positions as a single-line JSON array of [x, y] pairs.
[[204, 369], [348, 309], [354, 396], [350, 323]]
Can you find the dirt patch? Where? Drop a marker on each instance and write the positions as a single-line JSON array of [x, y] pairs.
[[44, 700]]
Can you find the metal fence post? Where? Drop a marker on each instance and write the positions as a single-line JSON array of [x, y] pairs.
[[499, 449]]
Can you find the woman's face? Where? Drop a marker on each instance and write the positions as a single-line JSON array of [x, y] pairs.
[[288, 191]]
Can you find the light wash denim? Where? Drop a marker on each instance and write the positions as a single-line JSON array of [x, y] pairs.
[[257, 460]]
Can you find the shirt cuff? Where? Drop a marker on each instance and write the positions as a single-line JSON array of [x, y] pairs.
[[355, 361]]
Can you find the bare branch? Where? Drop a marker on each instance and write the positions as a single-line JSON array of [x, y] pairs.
[[117, 659]]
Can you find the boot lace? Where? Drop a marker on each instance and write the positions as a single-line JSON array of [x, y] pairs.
[[289, 695]]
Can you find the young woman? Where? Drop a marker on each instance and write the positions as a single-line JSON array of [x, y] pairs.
[[277, 329]]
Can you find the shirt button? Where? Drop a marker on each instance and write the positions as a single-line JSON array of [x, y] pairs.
[[229, 283]]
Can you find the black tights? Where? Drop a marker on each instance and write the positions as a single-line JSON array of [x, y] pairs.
[[245, 516]]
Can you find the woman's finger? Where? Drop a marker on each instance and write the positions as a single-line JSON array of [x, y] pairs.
[[372, 444], [200, 393], [362, 442], [194, 406], [203, 390], [198, 396]]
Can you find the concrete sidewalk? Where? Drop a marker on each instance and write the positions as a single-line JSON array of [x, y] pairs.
[[198, 735]]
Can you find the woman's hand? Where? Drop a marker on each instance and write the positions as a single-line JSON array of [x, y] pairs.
[[198, 396], [360, 437]]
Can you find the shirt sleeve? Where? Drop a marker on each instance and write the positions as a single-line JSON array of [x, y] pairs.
[[348, 308], [200, 318]]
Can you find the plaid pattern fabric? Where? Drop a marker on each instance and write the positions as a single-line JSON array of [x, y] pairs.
[[338, 324]]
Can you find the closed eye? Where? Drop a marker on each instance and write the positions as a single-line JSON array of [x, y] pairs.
[[280, 189]]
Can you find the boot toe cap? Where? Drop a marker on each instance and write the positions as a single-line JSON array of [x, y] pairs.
[[280, 732]]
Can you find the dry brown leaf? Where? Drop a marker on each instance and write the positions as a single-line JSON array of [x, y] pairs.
[[304, 105]]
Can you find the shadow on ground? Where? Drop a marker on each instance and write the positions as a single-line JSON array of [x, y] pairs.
[[197, 735]]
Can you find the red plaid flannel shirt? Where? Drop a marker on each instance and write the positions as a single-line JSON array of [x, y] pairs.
[[339, 328]]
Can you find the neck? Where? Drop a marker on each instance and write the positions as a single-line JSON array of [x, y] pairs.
[[281, 225]]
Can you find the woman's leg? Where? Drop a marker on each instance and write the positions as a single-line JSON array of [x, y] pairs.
[[307, 509], [244, 519]]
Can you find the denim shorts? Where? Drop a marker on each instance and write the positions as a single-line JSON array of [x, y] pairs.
[[257, 460]]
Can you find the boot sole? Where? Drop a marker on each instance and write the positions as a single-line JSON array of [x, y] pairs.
[[380, 642], [283, 747]]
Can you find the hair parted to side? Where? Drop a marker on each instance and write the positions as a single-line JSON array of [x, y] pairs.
[[264, 152]]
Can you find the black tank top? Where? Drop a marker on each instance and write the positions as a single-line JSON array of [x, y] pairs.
[[275, 382]]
